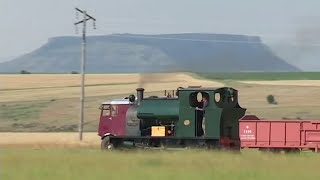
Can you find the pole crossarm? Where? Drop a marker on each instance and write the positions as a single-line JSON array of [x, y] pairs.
[[90, 17], [81, 21]]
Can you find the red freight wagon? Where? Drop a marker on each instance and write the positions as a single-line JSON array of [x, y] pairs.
[[279, 134]]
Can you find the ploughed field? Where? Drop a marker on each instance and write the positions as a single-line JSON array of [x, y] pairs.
[[38, 164], [50, 102], [35, 87]]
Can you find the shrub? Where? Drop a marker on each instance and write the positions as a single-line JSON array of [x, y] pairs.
[[271, 99], [74, 72], [24, 72]]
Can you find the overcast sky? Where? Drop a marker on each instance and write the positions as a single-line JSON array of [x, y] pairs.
[[26, 25]]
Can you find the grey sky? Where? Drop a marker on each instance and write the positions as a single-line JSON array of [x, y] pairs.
[[26, 25]]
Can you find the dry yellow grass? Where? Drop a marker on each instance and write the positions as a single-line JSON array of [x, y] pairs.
[[296, 98], [293, 101], [49, 140], [18, 81], [286, 82], [46, 87]]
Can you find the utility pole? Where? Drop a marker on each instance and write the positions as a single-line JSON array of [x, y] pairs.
[[86, 17]]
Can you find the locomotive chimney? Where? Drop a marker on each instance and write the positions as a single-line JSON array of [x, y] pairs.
[[139, 94]]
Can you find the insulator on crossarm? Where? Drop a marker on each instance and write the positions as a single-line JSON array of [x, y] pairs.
[[76, 29], [77, 15], [94, 24]]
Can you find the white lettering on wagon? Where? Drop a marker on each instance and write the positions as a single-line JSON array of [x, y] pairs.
[[247, 134], [247, 131], [247, 137]]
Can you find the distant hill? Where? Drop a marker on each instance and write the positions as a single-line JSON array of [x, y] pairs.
[[121, 53], [4, 59], [306, 57]]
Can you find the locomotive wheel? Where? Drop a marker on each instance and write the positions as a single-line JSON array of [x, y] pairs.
[[105, 144]]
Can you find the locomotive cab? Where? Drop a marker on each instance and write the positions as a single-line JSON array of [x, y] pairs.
[[217, 123], [113, 117]]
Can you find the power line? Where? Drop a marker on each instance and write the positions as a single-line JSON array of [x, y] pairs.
[[253, 41], [86, 17], [184, 39]]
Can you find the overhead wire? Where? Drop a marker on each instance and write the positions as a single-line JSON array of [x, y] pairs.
[[251, 40], [182, 39]]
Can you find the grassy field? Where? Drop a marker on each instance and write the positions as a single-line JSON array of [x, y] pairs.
[[245, 76], [24, 164]]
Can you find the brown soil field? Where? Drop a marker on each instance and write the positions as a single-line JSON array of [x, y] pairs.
[[49, 140]]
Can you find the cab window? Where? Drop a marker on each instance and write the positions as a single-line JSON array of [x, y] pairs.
[[105, 110], [196, 99], [114, 110]]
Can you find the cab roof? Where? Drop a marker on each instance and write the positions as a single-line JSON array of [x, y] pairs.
[[117, 101], [199, 88]]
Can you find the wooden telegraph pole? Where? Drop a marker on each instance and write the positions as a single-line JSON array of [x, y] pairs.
[[86, 17]]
